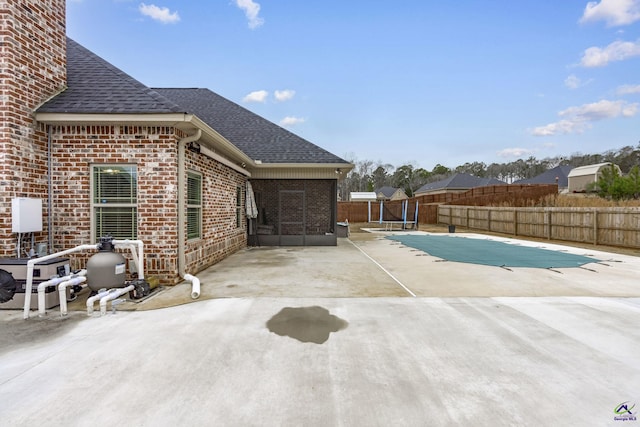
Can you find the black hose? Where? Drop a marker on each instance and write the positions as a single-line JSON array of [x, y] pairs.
[[7, 286]]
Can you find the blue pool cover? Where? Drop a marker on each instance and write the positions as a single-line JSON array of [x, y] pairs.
[[490, 252]]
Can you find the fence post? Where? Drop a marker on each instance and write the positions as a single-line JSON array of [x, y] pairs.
[[515, 221], [468, 217], [548, 224], [489, 219], [595, 226]]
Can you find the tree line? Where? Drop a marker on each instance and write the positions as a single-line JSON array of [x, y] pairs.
[[368, 175]]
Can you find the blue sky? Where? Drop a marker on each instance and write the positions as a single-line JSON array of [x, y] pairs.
[[406, 81]]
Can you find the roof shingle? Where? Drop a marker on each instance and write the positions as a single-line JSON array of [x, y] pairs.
[[257, 137], [97, 87]]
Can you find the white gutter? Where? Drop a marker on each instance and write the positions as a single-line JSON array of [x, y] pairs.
[[32, 262], [62, 289], [217, 157], [182, 204], [112, 294]]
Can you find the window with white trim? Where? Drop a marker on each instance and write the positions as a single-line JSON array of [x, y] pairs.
[[114, 201], [238, 207], [194, 205]]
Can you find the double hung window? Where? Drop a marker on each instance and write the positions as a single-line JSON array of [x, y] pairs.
[[114, 201]]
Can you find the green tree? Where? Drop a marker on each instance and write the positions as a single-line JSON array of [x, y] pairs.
[[613, 186]]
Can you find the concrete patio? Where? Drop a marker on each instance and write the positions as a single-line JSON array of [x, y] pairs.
[[334, 336]]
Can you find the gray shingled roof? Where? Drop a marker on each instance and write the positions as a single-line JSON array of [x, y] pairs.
[[257, 137], [386, 191], [97, 87], [549, 177], [459, 181]]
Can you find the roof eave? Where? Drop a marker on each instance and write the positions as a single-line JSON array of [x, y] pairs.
[[186, 122], [162, 119], [343, 167]]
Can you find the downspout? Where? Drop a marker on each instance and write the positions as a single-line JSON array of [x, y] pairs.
[[49, 191], [182, 204]]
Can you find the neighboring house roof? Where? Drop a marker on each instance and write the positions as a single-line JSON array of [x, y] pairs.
[[589, 169], [257, 137], [459, 181], [95, 86], [549, 177], [387, 192]]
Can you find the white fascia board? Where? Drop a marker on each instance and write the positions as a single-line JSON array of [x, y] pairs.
[[182, 121], [170, 119], [344, 167]]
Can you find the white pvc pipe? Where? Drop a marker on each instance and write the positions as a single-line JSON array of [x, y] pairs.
[[113, 294], [93, 299], [42, 286], [62, 290], [195, 285], [138, 258], [32, 262]]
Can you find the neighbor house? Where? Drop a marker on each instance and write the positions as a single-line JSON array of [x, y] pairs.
[[457, 183], [581, 177], [390, 193], [558, 175], [108, 155]]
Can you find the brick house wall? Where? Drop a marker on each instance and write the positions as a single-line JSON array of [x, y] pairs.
[[221, 236], [154, 152], [32, 69]]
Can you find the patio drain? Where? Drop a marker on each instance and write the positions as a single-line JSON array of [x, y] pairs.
[[306, 324]]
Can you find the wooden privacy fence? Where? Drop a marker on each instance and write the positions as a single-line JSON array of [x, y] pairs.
[[602, 226], [516, 194]]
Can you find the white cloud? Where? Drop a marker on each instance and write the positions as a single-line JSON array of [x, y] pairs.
[[616, 51], [572, 82], [578, 119], [284, 95], [256, 96], [251, 11], [161, 14], [614, 12], [291, 121], [628, 89], [515, 152]]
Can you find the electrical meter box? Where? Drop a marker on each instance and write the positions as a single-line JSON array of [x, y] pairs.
[[26, 215], [42, 271]]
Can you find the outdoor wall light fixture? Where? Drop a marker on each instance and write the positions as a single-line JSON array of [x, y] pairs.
[[338, 171], [194, 146]]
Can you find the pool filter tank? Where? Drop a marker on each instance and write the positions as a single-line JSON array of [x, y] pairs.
[[107, 268]]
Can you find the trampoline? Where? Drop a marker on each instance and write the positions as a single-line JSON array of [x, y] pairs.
[[490, 252]]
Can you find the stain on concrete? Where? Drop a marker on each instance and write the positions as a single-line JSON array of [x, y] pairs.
[[306, 324], [16, 332]]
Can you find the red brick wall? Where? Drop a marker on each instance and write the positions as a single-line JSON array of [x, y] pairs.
[[32, 68], [154, 151], [220, 235]]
